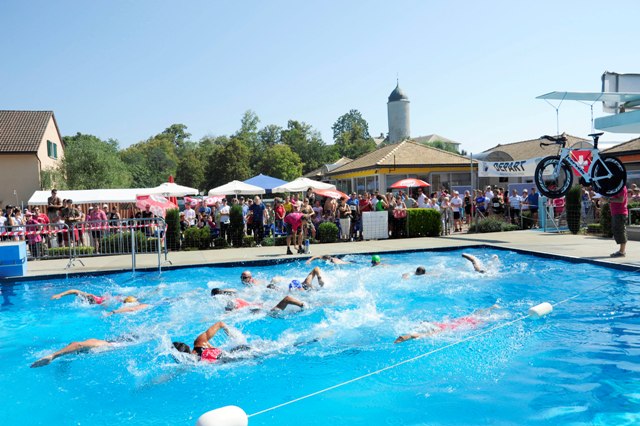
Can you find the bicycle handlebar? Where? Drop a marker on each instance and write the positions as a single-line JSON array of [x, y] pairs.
[[560, 140]]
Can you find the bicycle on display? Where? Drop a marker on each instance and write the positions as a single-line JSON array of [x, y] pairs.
[[554, 176]]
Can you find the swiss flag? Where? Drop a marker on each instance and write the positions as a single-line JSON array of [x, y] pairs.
[[583, 158]]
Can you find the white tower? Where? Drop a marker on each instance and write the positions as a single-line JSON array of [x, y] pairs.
[[398, 115]]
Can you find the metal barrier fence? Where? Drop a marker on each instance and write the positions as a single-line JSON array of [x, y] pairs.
[[43, 240], [128, 236], [90, 239]]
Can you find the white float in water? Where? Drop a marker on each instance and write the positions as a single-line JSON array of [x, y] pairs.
[[224, 416], [540, 310]]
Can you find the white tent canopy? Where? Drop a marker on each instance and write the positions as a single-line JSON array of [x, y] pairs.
[[302, 184], [88, 196], [238, 188], [171, 189]]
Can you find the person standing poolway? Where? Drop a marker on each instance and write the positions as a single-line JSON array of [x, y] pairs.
[[295, 221], [619, 213], [257, 210]]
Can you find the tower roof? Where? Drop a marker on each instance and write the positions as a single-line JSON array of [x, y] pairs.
[[397, 94]]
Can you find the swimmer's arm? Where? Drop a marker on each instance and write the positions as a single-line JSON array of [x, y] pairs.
[[312, 259], [126, 309], [405, 337], [211, 332], [407, 275], [71, 348], [69, 292], [338, 261], [475, 262]]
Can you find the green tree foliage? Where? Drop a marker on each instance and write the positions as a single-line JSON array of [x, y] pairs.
[[281, 162], [351, 135], [178, 134], [227, 162], [52, 177], [270, 135], [307, 143], [248, 136], [191, 166], [90, 162], [152, 161], [445, 146]]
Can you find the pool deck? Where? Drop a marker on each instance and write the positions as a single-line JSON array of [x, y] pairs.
[[584, 247]]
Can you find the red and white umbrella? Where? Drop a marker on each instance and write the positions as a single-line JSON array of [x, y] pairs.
[[331, 193], [157, 203], [409, 183]]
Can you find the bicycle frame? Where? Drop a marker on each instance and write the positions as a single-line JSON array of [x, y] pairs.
[[565, 155]]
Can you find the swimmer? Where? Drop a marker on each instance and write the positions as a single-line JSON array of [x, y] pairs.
[[419, 271], [477, 265], [376, 261], [239, 303], [80, 347], [126, 309], [247, 279], [330, 259], [204, 350], [92, 299], [307, 283], [473, 320]]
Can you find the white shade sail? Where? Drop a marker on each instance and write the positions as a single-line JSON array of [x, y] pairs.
[[302, 184], [171, 189], [238, 188]]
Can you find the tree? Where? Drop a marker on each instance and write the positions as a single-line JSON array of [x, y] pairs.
[[178, 134], [445, 146], [152, 161], [270, 135], [307, 143], [248, 136], [228, 162], [281, 162], [90, 162], [348, 123], [191, 167], [351, 135]]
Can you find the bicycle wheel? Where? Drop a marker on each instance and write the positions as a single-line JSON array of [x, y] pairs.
[[549, 184], [612, 185]]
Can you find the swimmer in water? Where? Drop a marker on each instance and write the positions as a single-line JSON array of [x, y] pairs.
[[376, 261], [92, 299], [131, 308], [473, 320], [477, 265], [238, 303], [204, 350], [80, 347], [306, 284], [329, 259], [419, 271]]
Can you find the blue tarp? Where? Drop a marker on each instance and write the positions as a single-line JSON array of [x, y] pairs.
[[266, 182]]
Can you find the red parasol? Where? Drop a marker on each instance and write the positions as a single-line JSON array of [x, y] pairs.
[[158, 204], [331, 193], [409, 183]]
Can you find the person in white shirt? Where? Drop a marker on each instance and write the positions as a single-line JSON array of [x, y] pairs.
[[515, 203], [190, 215], [488, 195], [422, 199], [224, 220], [456, 206]]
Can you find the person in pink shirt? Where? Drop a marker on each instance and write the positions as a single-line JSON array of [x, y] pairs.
[[619, 213], [98, 221], [295, 222]]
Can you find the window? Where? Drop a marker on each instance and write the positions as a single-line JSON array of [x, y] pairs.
[[52, 149]]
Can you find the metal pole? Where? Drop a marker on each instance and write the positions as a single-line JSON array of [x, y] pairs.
[[133, 247]]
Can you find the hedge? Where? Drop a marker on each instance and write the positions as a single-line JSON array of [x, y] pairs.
[[605, 220], [328, 232], [121, 243], [573, 205], [64, 251], [172, 219], [491, 224], [197, 238], [423, 223]]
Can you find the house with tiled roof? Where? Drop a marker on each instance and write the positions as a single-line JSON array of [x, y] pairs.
[[629, 153], [381, 168], [30, 142]]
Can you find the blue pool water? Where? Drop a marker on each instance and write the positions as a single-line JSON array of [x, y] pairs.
[[579, 365]]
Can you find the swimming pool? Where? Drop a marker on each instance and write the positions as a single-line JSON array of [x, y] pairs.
[[578, 365]]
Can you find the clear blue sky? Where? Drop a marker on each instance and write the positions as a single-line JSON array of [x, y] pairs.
[[128, 69]]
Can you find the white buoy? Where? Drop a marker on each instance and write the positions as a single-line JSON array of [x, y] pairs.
[[540, 310], [224, 416]]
